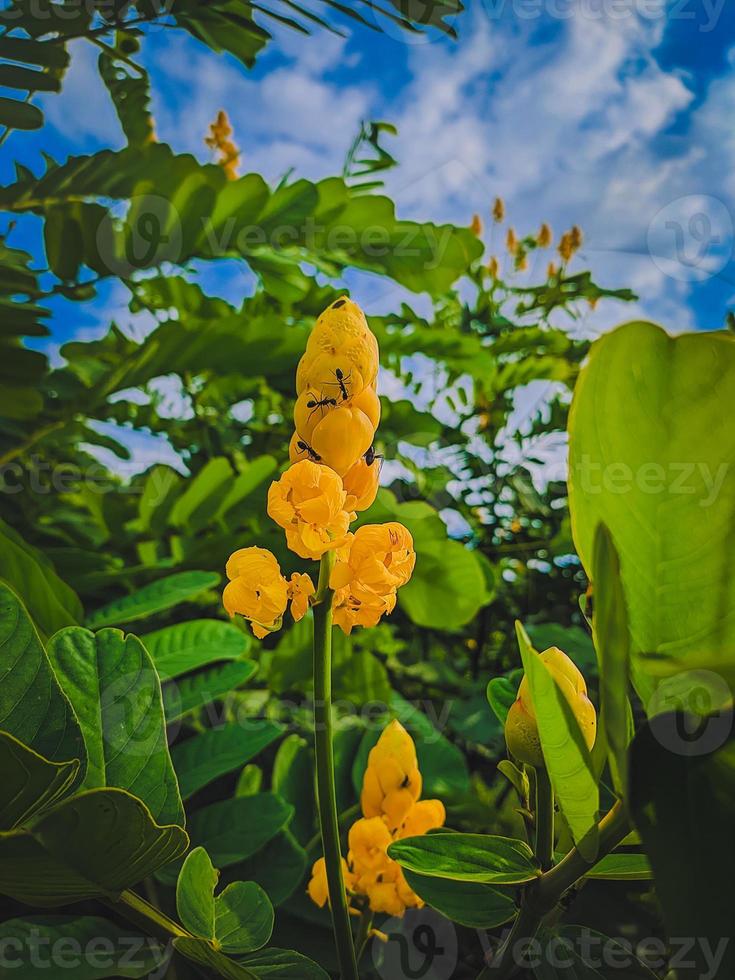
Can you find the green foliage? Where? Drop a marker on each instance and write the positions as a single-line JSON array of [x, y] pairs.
[[468, 903], [467, 857]]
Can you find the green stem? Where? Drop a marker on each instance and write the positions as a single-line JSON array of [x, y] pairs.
[[363, 932], [326, 795], [544, 819], [136, 908], [541, 897]]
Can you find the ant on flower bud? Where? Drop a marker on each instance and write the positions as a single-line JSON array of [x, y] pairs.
[[342, 382], [304, 447], [371, 456], [322, 403]]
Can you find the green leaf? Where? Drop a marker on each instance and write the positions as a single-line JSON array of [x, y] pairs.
[[51, 603], [115, 692], [19, 115], [201, 759], [201, 951], [195, 893], [30, 783], [190, 693], [282, 964], [469, 904], [502, 692], [293, 780], [243, 918], [622, 867], [580, 953], [105, 949], [178, 649], [565, 752], [682, 799], [233, 830], [467, 857], [651, 454], [154, 598], [97, 843], [203, 494], [33, 708], [612, 641]]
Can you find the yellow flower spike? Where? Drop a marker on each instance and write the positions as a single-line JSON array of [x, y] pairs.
[[498, 210], [341, 355], [392, 781], [300, 590], [256, 590], [308, 502], [545, 236], [342, 437], [424, 816], [476, 225], [511, 242], [493, 266], [521, 728], [361, 482], [312, 421], [219, 140], [368, 840]]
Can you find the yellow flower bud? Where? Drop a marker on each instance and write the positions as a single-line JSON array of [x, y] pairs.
[[342, 437], [476, 225], [544, 237], [521, 728], [498, 210], [361, 482], [341, 357]]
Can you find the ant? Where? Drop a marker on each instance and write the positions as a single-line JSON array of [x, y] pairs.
[[304, 447], [342, 381], [322, 403], [371, 456]]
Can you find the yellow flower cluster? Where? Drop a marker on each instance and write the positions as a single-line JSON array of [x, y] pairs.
[[334, 474], [570, 242], [521, 728], [391, 810], [219, 140]]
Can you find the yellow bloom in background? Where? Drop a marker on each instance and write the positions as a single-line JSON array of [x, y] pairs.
[[318, 889], [511, 242], [219, 140], [256, 589], [571, 242], [545, 236], [498, 210], [308, 502], [377, 561], [521, 728], [391, 811], [361, 482], [300, 590], [476, 225]]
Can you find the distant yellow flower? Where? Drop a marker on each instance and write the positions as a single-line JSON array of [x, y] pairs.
[[308, 502], [521, 728], [318, 888], [493, 267], [545, 236], [571, 242], [551, 270], [361, 482], [476, 225], [300, 589], [498, 210], [219, 140], [511, 242], [256, 590]]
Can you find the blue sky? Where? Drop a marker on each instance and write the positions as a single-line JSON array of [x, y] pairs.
[[614, 114]]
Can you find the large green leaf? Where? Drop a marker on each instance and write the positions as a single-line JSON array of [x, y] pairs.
[[197, 690], [104, 949], [114, 689], [468, 903], [178, 649], [33, 708], [651, 449], [201, 759], [51, 602], [682, 800], [565, 751], [467, 857], [233, 830], [580, 953], [612, 641], [195, 893], [153, 598], [97, 843], [243, 918], [293, 780], [29, 782]]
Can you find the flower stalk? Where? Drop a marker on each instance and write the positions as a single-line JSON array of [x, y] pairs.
[[326, 793]]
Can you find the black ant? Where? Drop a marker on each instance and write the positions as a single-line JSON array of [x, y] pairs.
[[342, 381], [322, 403], [371, 456], [304, 447]]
